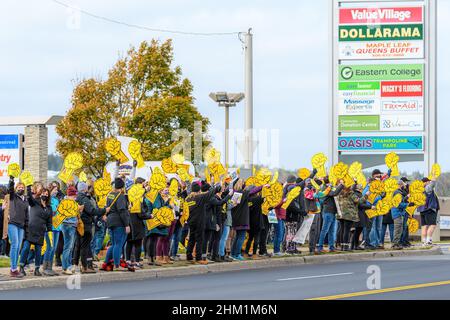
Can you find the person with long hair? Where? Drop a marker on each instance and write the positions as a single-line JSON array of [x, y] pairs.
[[16, 211], [40, 222]]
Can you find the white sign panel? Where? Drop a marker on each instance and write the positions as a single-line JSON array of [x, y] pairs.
[[10, 152]]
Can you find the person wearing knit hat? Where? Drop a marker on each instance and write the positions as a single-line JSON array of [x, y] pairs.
[[291, 179], [119, 184], [90, 210]]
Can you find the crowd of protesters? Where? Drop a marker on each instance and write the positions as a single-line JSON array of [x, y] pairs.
[[220, 228]]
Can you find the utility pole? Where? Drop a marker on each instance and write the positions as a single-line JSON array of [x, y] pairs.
[[248, 45]]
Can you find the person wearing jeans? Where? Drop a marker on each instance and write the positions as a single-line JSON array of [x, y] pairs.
[[16, 209], [174, 243], [223, 241], [279, 236], [118, 237], [328, 228], [99, 237], [68, 230], [237, 245], [15, 235], [375, 233]]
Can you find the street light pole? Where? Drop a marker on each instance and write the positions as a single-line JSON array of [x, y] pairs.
[[227, 129], [248, 43], [227, 100]]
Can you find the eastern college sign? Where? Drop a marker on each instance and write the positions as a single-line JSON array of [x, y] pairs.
[[381, 72]]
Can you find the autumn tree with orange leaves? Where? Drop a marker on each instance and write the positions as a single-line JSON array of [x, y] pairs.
[[143, 97]]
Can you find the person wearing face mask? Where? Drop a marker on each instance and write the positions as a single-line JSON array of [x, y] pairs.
[[16, 210], [90, 210], [40, 222]]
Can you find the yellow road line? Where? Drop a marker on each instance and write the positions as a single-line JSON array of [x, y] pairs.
[[371, 292]]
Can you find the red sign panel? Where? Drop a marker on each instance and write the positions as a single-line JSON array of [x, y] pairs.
[[402, 89], [380, 15]]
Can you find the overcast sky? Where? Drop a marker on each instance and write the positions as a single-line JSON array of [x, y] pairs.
[[43, 51]]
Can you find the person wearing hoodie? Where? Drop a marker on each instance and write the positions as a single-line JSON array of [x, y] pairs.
[[329, 211], [90, 211], [40, 222], [16, 211], [118, 222]]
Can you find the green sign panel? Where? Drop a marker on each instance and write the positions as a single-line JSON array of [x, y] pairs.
[[381, 72], [359, 86], [381, 32], [359, 123]]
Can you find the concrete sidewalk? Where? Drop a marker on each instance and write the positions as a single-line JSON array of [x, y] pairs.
[[7, 283]]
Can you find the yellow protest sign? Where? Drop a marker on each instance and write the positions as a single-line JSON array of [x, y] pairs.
[[396, 200], [417, 187], [263, 177], [82, 176], [392, 160], [106, 176], [168, 166], [318, 162], [68, 208], [44, 247], [376, 188], [185, 216], [419, 199], [162, 216], [136, 196], [274, 178], [303, 173], [272, 195], [435, 172], [57, 220], [413, 225], [157, 183], [355, 169], [102, 188], [114, 148], [173, 188], [14, 170], [178, 159], [135, 150], [183, 174], [333, 179], [26, 178], [72, 162], [294, 193]]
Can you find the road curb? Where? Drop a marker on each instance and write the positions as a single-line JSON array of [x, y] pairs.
[[166, 272]]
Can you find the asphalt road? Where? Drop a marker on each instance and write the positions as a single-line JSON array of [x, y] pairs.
[[299, 282]]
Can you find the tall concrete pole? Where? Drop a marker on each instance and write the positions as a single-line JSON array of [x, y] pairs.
[[248, 43], [227, 129]]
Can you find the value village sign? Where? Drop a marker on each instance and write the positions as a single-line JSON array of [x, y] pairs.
[[381, 33], [384, 83]]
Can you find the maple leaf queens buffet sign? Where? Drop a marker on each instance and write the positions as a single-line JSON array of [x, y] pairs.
[[381, 33]]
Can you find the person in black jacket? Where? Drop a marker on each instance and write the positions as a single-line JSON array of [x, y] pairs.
[[17, 219], [40, 222], [118, 222], [218, 203], [256, 223], [83, 243], [197, 201]]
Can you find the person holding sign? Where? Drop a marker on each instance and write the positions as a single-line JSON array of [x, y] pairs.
[[118, 222], [40, 222], [17, 213], [69, 229], [399, 213]]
